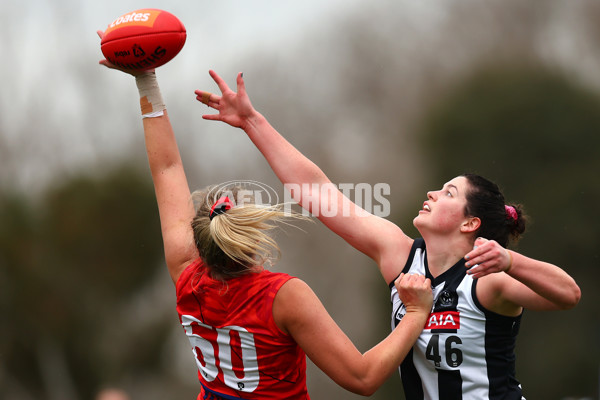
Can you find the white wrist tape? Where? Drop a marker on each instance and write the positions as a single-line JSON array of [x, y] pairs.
[[151, 101]]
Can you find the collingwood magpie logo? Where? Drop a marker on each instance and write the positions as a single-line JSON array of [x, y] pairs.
[[447, 300]]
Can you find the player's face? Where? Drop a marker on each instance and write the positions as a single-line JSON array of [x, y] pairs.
[[444, 210]]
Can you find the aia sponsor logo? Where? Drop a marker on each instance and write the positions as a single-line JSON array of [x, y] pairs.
[[443, 320]]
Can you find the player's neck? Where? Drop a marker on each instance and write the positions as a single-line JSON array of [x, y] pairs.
[[443, 253]]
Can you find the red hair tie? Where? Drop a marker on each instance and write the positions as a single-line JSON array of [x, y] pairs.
[[221, 205], [511, 213]]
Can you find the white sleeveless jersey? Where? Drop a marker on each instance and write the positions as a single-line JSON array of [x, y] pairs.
[[465, 351]]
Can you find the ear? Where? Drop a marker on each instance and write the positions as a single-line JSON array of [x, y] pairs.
[[471, 224]]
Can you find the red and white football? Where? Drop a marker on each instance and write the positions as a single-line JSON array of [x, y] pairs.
[[143, 39]]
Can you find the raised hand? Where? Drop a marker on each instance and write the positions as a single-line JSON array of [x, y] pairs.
[[110, 65], [234, 108]]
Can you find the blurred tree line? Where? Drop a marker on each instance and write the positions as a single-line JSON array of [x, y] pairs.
[[72, 258], [71, 261]]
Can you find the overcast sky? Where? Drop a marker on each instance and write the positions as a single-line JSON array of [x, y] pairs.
[[50, 74], [56, 100]]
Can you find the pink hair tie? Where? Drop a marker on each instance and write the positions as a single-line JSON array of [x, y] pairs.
[[220, 206], [511, 212]]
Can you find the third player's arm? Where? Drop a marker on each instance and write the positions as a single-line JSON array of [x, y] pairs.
[[333, 352]]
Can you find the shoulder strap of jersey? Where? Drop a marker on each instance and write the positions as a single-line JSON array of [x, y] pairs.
[[418, 243]]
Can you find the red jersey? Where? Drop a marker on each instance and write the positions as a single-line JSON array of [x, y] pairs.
[[239, 350]]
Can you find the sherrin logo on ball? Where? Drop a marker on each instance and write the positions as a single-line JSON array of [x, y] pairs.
[[143, 39]]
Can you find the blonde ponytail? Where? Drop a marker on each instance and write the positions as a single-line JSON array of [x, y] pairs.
[[236, 240]]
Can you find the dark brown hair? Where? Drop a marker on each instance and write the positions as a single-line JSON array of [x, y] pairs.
[[486, 202]]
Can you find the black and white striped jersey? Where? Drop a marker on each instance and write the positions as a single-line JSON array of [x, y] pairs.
[[465, 351]]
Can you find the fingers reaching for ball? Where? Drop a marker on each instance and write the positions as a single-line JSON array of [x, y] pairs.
[[205, 98], [234, 108], [104, 62]]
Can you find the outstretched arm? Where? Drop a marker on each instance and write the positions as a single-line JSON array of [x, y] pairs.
[[170, 183], [172, 194], [333, 352], [376, 237]]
